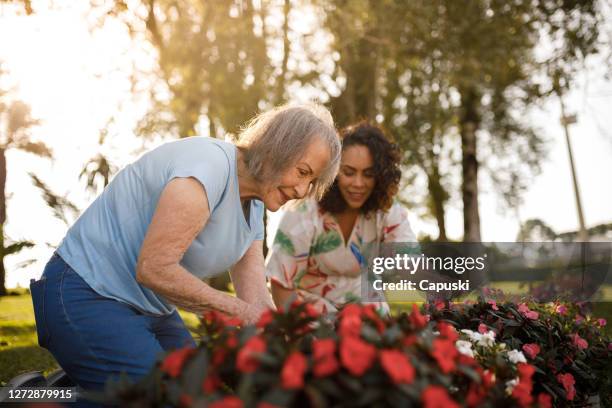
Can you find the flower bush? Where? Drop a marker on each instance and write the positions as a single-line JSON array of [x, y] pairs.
[[469, 355], [568, 349]]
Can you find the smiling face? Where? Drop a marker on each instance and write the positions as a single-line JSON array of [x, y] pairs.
[[296, 181], [356, 177]]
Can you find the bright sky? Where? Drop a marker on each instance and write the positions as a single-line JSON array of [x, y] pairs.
[[75, 81]]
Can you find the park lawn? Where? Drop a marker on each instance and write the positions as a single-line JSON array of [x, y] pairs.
[[19, 350]]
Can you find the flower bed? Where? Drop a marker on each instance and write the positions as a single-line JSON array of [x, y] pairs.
[[469, 355]]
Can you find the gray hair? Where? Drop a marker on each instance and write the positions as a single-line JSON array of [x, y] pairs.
[[275, 140]]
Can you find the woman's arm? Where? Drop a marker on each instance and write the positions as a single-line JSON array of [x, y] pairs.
[[281, 295], [182, 212], [249, 278]]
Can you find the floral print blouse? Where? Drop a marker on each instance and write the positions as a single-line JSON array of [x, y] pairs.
[[309, 253]]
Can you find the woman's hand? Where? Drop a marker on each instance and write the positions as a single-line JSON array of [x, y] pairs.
[[252, 313]]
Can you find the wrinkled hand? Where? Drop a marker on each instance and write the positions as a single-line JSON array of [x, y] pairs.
[[252, 313]]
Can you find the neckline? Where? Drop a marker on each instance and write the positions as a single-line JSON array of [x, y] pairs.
[[346, 242], [244, 222]]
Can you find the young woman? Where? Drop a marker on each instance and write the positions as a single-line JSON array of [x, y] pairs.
[[186, 210], [318, 248]]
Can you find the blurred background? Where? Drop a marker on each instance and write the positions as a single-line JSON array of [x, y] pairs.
[[484, 96]]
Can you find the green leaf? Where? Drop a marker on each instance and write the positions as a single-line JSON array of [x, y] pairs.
[[284, 242], [326, 242]]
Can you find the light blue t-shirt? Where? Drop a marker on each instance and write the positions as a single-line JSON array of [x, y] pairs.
[[104, 243]]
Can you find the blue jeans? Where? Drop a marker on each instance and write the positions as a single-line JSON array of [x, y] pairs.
[[95, 338]]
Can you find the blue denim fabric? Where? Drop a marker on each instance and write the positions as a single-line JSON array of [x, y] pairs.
[[95, 338]]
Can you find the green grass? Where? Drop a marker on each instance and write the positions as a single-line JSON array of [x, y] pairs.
[[19, 350]]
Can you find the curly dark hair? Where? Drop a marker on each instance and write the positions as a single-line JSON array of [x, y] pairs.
[[386, 156]]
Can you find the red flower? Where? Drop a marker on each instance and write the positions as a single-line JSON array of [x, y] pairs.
[[522, 391], [397, 366], [218, 357], [475, 395], [409, 340], [324, 355], [448, 331], [370, 312], [211, 383], [174, 362], [488, 378], [579, 341], [439, 305], [292, 375], [531, 350], [266, 318], [544, 401], [246, 360], [185, 400], [356, 355], [311, 311], [445, 352], [352, 309], [416, 318], [525, 371], [232, 341], [227, 402], [435, 396], [567, 380], [265, 404], [350, 325]]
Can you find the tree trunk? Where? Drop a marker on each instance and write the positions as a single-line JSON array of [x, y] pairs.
[[469, 122], [438, 197], [2, 219], [280, 87]]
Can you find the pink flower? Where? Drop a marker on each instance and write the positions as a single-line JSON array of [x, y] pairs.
[[579, 342], [529, 314], [561, 309], [601, 322], [493, 304], [482, 328], [531, 350]]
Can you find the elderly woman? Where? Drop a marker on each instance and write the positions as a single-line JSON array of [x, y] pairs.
[[318, 250], [186, 210]]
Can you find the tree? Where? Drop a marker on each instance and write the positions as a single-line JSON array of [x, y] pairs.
[[445, 70], [15, 125], [212, 62]]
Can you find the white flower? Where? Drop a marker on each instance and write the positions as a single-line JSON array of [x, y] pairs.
[[474, 336], [516, 356], [464, 347], [487, 339], [510, 385]]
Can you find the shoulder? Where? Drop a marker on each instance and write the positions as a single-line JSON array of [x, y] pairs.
[[396, 214], [308, 207]]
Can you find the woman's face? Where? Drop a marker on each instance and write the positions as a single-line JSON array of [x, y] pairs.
[[356, 177], [296, 181]]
